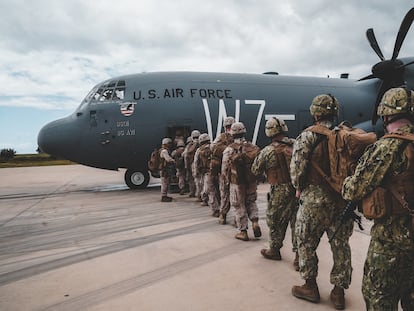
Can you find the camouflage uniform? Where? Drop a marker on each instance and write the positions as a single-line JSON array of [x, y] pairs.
[[167, 161], [282, 204], [177, 155], [201, 168], [242, 196], [220, 188], [188, 155], [388, 270], [317, 214]]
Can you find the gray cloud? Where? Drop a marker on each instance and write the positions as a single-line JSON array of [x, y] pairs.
[[55, 51]]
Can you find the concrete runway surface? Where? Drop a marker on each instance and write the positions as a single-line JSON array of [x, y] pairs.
[[75, 238]]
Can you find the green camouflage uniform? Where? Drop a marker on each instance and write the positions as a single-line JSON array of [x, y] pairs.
[[282, 204], [318, 213], [388, 270]]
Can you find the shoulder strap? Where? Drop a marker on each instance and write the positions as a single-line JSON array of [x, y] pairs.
[[320, 129], [400, 135]]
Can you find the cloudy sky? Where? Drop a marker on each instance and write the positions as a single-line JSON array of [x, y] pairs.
[[54, 52]]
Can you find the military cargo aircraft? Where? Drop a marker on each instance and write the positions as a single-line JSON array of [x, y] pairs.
[[123, 119]]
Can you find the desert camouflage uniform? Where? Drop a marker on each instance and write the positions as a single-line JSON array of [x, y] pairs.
[[166, 170], [198, 177], [318, 213], [223, 187], [243, 196], [177, 155], [282, 204], [388, 270], [188, 162]]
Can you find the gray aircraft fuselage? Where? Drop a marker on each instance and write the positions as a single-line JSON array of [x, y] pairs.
[[123, 119]]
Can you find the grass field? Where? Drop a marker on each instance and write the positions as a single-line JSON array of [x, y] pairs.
[[24, 160]]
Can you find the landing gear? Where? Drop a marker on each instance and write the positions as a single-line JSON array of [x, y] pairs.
[[136, 178]]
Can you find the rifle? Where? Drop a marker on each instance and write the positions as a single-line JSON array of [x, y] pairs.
[[348, 213]]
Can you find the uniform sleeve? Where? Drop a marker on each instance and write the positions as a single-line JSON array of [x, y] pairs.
[[302, 150], [374, 164], [259, 163], [225, 164], [164, 154]]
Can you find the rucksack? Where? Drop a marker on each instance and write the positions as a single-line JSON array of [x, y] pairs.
[[217, 149], [345, 146], [155, 163], [241, 162]]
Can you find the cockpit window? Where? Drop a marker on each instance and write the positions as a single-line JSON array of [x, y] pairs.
[[113, 90]]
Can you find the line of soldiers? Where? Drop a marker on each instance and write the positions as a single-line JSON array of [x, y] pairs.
[[300, 197]]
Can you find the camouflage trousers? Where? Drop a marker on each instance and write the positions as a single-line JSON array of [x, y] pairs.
[[243, 199], [213, 192], [224, 195], [198, 180], [317, 214], [181, 178], [389, 270], [282, 207], [165, 180], [191, 183]]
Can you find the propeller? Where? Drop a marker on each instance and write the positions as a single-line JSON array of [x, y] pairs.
[[390, 72]]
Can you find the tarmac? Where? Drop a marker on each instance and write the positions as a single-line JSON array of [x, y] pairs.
[[76, 238]]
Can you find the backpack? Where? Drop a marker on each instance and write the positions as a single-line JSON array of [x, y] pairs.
[[345, 146], [204, 158], [241, 162], [217, 149], [155, 163], [178, 157]]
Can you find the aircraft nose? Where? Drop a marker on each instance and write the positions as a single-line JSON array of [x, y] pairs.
[[59, 138]]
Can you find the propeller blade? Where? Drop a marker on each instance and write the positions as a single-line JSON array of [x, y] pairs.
[[371, 76], [374, 44], [405, 26]]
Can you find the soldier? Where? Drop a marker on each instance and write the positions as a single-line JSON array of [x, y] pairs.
[[319, 208], [236, 168], [389, 164], [188, 154], [219, 193], [177, 155], [166, 164], [201, 167], [282, 206]]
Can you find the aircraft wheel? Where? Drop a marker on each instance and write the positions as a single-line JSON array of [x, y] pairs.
[[136, 179]]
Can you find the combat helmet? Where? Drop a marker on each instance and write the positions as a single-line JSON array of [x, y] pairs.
[[166, 141], [195, 134], [204, 138], [324, 105], [396, 101], [237, 128], [228, 121], [275, 126]]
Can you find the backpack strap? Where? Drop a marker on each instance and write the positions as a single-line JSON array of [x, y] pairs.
[[400, 135], [320, 129]]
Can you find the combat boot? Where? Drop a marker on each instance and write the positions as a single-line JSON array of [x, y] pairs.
[[216, 213], [222, 219], [296, 262], [271, 253], [242, 235], [256, 228], [308, 291], [166, 199], [338, 298], [182, 192]]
